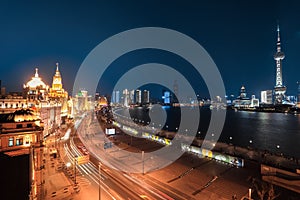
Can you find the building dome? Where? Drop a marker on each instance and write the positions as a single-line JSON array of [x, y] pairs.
[[35, 81], [102, 101]]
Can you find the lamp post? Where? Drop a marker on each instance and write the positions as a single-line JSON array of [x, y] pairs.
[[75, 165], [68, 164], [250, 143], [100, 180], [143, 167], [250, 191]]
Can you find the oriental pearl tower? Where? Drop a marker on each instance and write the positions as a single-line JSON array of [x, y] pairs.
[[279, 88]]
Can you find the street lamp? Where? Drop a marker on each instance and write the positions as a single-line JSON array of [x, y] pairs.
[[143, 170], [75, 163], [68, 164], [250, 144], [100, 180], [250, 191]]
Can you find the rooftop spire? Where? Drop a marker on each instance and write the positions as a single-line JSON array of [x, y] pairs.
[[278, 39], [36, 73], [57, 66], [57, 73]]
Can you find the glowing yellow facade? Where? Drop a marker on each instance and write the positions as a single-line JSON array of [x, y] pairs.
[[57, 91]]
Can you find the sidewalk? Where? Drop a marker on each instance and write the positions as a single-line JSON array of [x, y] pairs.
[[59, 180]]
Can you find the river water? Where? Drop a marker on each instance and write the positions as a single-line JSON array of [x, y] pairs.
[[274, 132]]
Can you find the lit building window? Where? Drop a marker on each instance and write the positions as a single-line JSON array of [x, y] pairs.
[[19, 141], [11, 142], [27, 140]]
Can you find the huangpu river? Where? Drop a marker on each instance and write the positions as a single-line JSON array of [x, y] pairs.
[[274, 132]]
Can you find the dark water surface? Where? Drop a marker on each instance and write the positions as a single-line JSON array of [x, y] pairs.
[[275, 132]]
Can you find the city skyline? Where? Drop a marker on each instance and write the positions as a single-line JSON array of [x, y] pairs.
[[150, 100], [240, 39]]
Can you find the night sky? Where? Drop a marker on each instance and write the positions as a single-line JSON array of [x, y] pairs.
[[240, 36]]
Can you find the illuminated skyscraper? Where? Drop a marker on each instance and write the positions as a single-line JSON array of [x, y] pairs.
[[266, 96], [138, 96], [131, 96], [146, 96], [117, 97], [126, 97], [298, 97], [166, 97], [279, 88], [113, 97]]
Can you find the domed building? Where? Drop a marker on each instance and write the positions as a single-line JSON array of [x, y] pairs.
[[244, 102], [35, 89], [37, 94], [102, 101]]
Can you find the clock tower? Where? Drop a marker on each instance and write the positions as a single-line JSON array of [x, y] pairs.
[[57, 84], [57, 91]]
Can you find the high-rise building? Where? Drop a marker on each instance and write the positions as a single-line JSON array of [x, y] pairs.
[[131, 96], [298, 97], [126, 97], [266, 97], [113, 97], [117, 99], [146, 97], [279, 88], [138, 96], [166, 97]]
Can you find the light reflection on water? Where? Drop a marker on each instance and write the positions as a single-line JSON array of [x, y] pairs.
[[267, 131]]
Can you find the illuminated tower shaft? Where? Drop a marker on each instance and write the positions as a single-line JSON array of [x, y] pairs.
[[298, 101], [279, 89]]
